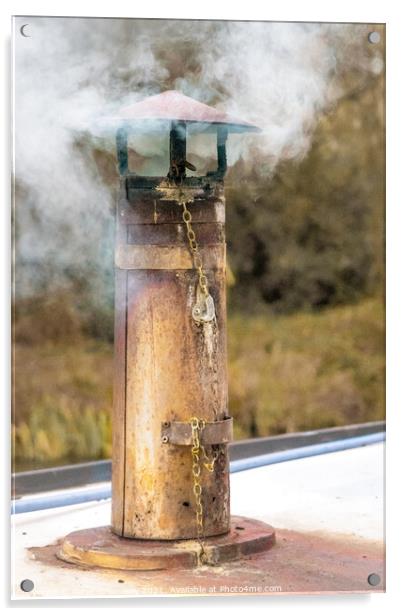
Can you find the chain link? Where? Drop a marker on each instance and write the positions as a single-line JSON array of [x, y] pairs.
[[208, 320], [196, 472], [197, 426], [194, 249]]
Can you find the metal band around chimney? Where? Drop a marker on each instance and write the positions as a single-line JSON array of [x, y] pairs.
[[214, 433], [140, 257]]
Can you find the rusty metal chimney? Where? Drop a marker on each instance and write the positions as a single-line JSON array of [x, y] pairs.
[[170, 351], [171, 423]]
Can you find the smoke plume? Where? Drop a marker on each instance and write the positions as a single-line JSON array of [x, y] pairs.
[[69, 72]]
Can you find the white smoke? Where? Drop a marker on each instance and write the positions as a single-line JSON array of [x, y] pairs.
[[71, 71]]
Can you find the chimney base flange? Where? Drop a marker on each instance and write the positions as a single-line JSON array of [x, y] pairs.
[[100, 547]]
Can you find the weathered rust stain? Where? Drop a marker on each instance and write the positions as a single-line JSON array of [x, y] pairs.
[[174, 368], [298, 563], [101, 547], [146, 480]]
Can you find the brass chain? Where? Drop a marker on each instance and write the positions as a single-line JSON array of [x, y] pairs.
[[197, 425], [194, 249], [196, 471]]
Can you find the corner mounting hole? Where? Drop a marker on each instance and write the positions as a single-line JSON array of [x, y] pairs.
[[374, 579], [186, 504], [27, 585], [239, 527], [374, 37]]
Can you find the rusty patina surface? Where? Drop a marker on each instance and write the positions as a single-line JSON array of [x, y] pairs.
[[302, 563], [101, 547], [168, 367], [215, 432]]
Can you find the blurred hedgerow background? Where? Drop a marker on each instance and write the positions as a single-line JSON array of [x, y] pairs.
[[305, 220]]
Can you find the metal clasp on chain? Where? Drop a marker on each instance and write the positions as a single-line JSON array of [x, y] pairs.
[[204, 308]]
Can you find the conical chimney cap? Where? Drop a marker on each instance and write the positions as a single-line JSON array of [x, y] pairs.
[[172, 105]]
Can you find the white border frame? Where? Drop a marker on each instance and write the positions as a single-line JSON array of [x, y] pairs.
[[387, 11]]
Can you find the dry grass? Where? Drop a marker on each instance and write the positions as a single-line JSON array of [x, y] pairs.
[[63, 397], [286, 373], [307, 371]]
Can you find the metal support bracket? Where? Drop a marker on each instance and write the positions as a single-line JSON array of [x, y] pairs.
[[214, 433]]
